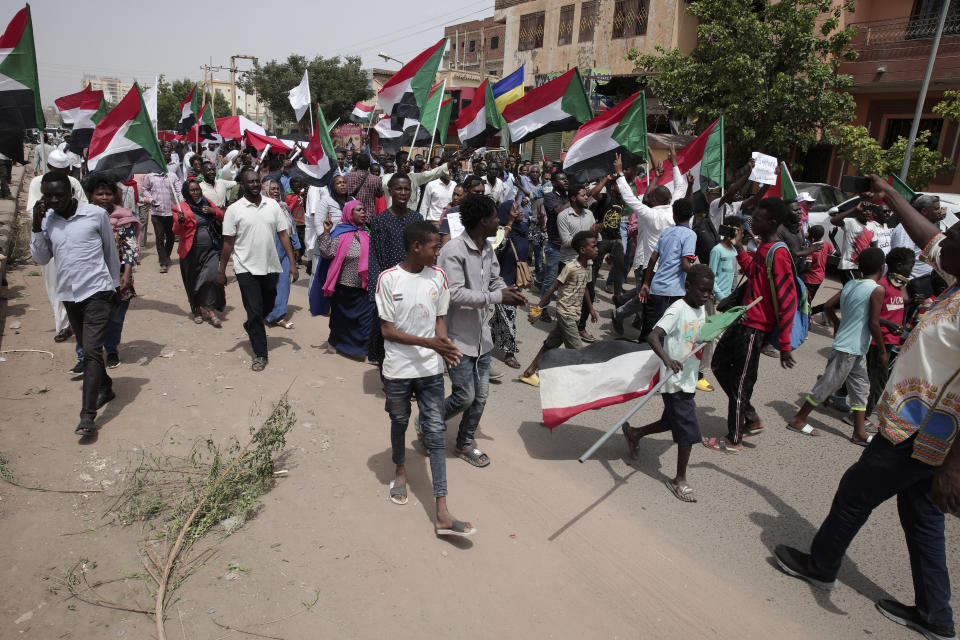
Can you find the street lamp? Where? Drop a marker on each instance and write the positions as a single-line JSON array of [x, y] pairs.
[[387, 58]]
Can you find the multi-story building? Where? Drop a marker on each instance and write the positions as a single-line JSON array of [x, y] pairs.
[[476, 46], [893, 41], [114, 89], [249, 103]]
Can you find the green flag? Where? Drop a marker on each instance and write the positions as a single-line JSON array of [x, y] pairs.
[[631, 131], [711, 166], [430, 112], [443, 121], [902, 188], [718, 323]]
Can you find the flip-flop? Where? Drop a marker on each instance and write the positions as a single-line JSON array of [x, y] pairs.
[[398, 495], [511, 362], [474, 456], [807, 430], [632, 444], [683, 492], [863, 443], [718, 444], [848, 419], [457, 529], [533, 380], [198, 319]]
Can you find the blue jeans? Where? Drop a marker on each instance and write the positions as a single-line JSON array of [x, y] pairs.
[[429, 392], [551, 261], [470, 382], [537, 263], [111, 340], [883, 471]]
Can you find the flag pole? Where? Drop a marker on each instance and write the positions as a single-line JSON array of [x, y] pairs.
[[589, 452], [435, 122]]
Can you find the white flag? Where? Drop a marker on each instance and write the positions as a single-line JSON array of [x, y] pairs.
[[150, 101], [300, 97]]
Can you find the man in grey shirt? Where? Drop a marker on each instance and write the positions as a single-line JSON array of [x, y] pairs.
[[473, 276], [572, 220], [78, 236]]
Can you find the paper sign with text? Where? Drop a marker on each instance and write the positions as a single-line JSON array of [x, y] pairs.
[[764, 168]]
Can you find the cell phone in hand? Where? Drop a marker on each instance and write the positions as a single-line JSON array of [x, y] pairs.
[[854, 184]]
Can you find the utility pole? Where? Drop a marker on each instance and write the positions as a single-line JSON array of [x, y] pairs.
[[233, 79], [208, 80], [918, 113]]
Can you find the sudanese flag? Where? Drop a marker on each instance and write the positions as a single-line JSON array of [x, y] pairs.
[[19, 86]]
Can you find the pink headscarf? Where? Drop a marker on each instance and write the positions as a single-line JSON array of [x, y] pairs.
[[344, 232], [121, 217]]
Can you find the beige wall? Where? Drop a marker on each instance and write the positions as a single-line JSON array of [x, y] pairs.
[[667, 25]]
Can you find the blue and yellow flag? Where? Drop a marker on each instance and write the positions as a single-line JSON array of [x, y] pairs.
[[508, 90]]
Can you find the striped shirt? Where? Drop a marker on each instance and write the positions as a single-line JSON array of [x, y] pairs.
[[764, 316]]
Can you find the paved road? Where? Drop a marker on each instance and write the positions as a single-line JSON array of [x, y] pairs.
[[599, 549]]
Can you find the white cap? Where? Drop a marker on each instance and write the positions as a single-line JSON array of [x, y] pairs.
[[804, 196], [59, 160]]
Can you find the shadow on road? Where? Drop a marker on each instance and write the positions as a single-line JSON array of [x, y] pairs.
[[790, 528], [127, 390]]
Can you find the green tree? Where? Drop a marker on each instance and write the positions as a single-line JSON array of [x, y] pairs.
[[860, 150], [169, 97], [770, 68], [337, 84]]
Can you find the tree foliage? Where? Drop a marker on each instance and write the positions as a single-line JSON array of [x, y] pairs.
[[337, 84], [770, 68], [170, 95], [860, 150]]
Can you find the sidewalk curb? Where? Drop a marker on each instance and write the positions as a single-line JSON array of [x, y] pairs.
[[8, 216]]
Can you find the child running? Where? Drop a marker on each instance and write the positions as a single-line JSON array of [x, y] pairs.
[[571, 292], [860, 302], [679, 329], [412, 299]]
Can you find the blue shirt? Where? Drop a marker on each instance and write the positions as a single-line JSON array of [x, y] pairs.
[[723, 263], [853, 336], [674, 243], [83, 249]]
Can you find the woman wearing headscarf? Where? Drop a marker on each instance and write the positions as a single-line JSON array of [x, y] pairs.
[[278, 317], [323, 203], [516, 246], [106, 194], [340, 285], [197, 223]]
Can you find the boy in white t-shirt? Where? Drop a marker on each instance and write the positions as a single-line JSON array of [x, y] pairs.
[[412, 299], [679, 328]]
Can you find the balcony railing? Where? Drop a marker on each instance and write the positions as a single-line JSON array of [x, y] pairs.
[[904, 37]]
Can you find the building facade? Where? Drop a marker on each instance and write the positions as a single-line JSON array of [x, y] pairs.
[[894, 39], [476, 46], [114, 89]]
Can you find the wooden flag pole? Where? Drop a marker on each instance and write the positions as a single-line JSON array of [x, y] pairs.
[[616, 427]]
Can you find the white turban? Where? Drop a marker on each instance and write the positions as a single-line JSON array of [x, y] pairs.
[[233, 154]]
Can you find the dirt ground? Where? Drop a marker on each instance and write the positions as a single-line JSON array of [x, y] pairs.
[[563, 550]]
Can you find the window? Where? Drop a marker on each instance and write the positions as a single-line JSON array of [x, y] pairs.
[[473, 46], [926, 16], [495, 42], [531, 31], [588, 20], [900, 127], [565, 32], [629, 18]]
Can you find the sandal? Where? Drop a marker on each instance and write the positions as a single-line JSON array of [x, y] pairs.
[[457, 529], [511, 362], [863, 443], [632, 443], [198, 319], [214, 320], [259, 363], [474, 456], [398, 495], [683, 492], [64, 335], [807, 430], [719, 444]]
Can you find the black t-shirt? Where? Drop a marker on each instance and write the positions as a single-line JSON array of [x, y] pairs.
[[608, 211], [553, 203]]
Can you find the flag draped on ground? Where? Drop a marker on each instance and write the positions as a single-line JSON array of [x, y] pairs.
[[703, 158], [124, 140], [480, 119], [622, 130], [81, 111], [608, 372], [206, 125], [785, 187], [509, 89], [19, 86], [188, 111], [319, 159], [362, 113], [559, 105]]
